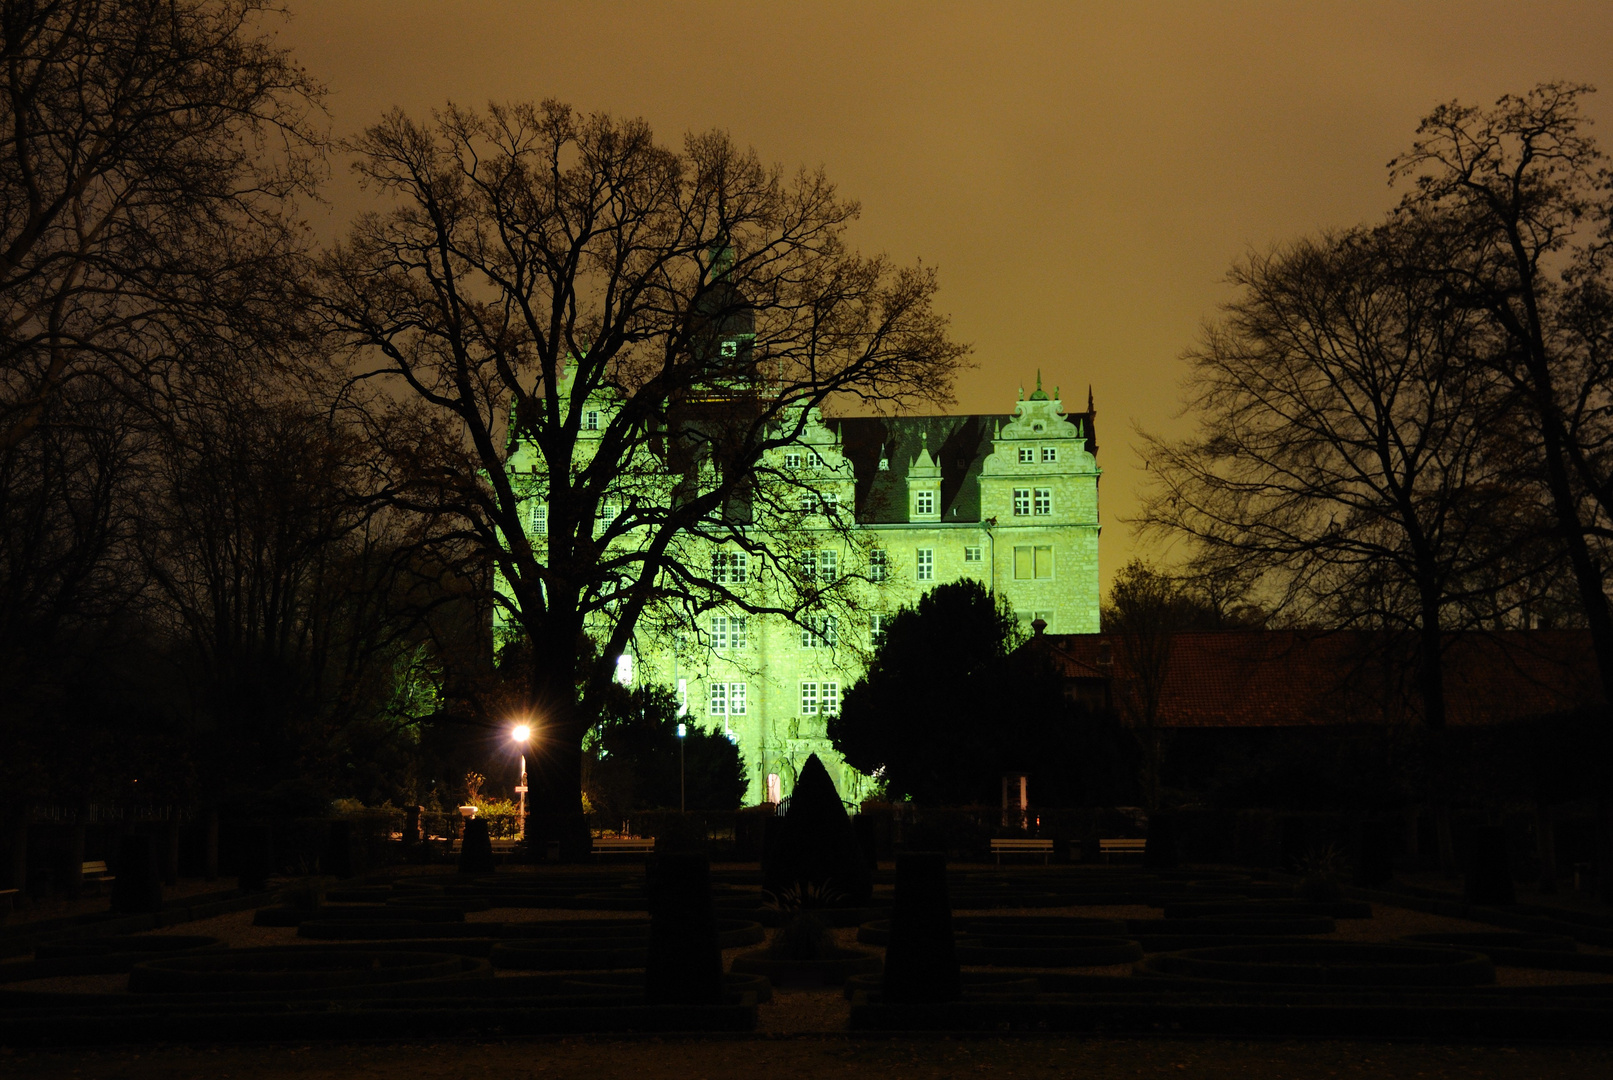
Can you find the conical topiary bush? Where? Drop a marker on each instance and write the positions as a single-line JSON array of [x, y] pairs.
[[684, 962], [921, 960], [812, 857]]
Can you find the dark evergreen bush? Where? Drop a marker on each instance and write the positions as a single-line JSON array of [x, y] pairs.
[[1489, 869], [339, 849], [254, 856], [1161, 852], [921, 961], [684, 964], [1374, 861], [476, 849], [138, 882]]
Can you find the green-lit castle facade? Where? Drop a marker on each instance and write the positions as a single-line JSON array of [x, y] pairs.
[[889, 508]]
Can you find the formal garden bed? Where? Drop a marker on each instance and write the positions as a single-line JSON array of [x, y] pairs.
[[519, 952]]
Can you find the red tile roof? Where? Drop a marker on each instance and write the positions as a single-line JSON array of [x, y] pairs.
[[1274, 678]]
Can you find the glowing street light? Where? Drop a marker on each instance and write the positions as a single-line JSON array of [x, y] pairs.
[[521, 733]]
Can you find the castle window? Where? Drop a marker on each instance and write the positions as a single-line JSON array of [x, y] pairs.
[[1033, 561], [819, 632], [727, 699], [878, 566], [925, 570], [1044, 501], [830, 502], [729, 567], [971, 554], [877, 627], [809, 699], [792, 461], [1037, 427], [728, 631], [829, 697], [923, 502], [590, 420], [1026, 455], [1050, 453], [537, 520], [819, 565], [1022, 502], [807, 502], [730, 349]]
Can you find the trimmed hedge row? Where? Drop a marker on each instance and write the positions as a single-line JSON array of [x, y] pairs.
[[280, 968], [1329, 964]]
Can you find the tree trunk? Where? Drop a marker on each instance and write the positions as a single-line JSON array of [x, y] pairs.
[[1431, 688], [554, 777]]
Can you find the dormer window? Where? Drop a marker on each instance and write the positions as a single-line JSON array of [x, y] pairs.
[[923, 503], [1026, 455]]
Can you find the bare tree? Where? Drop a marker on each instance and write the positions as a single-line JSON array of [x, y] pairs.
[[1350, 452], [149, 150], [1147, 608], [1530, 200], [696, 306]]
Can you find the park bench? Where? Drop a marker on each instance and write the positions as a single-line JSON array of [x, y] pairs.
[[95, 872], [1004, 846], [1121, 846], [624, 845]]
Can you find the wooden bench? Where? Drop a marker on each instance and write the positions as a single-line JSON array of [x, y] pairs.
[[1119, 846], [1001, 847], [95, 872], [624, 845]]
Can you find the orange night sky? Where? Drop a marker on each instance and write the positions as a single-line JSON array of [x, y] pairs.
[[1080, 173]]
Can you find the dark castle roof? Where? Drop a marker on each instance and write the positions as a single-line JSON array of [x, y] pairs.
[[958, 444]]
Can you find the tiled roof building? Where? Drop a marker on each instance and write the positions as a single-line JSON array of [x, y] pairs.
[[1293, 678]]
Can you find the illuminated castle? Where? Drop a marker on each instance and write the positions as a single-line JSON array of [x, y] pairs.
[[1008, 499]]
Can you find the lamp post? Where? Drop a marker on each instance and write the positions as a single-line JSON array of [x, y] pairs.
[[521, 733], [682, 730]]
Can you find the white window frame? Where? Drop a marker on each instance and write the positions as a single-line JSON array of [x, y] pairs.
[[730, 349], [924, 564], [1027, 455], [829, 698], [717, 700], [537, 519], [792, 461], [590, 420], [737, 704], [1036, 566], [1022, 502], [1050, 453], [730, 567], [879, 565], [971, 553], [728, 632], [809, 698], [820, 632], [878, 628], [1043, 502], [923, 503], [806, 502]]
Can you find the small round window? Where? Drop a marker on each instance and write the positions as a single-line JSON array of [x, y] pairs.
[[1036, 427]]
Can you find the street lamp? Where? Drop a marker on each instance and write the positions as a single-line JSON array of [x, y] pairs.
[[521, 733], [682, 731]]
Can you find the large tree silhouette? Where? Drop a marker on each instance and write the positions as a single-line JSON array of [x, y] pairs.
[[568, 271]]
